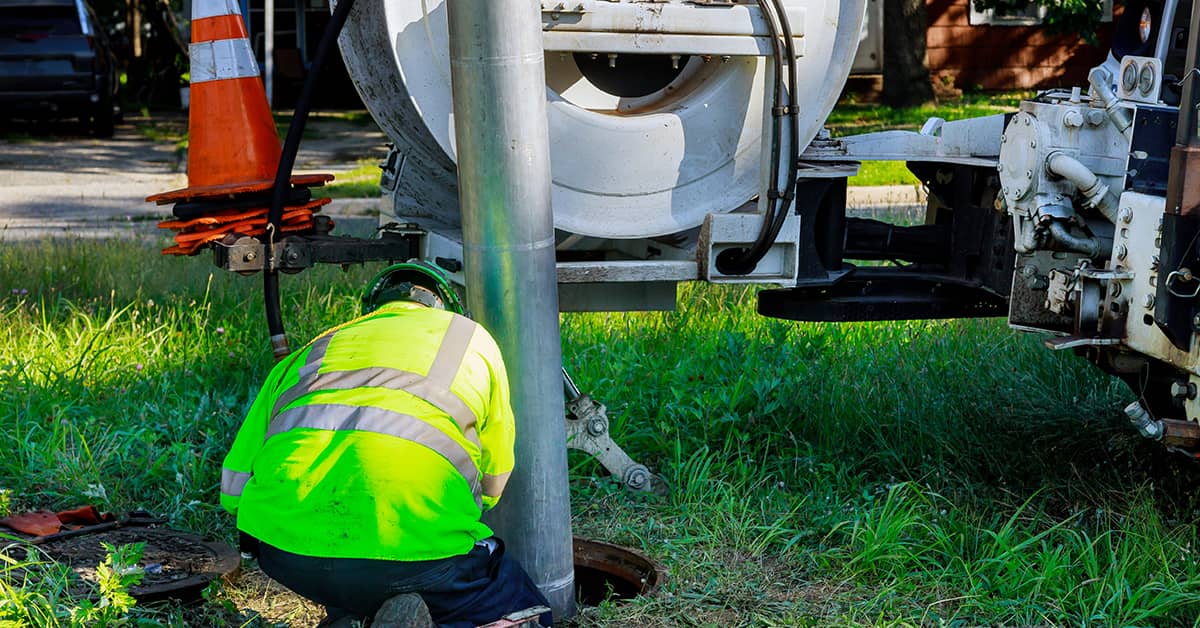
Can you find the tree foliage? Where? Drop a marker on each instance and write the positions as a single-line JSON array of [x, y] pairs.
[[149, 45], [1078, 17]]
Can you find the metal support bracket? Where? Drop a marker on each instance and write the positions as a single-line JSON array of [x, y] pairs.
[[245, 254], [587, 431], [970, 142]]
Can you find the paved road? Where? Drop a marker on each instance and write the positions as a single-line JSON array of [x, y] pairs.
[[56, 181]]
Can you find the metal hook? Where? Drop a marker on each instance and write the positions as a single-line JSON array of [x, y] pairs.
[[1187, 76], [271, 246], [1184, 275]]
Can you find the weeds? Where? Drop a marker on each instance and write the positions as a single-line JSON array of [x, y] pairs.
[[35, 591]]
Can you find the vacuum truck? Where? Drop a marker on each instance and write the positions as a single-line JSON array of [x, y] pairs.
[[679, 154], [686, 143]]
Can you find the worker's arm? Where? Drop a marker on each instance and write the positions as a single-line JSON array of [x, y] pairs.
[[497, 428], [238, 467]]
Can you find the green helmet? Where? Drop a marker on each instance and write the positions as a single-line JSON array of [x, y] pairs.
[[412, 281]]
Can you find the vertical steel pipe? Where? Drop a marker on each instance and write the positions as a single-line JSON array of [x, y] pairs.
[[503, 146], [1187, 133], [269, 50], [1183, 184]]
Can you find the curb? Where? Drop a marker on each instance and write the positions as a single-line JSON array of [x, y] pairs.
[[885, 196]]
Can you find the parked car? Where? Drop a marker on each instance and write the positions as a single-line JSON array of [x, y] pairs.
[[55, 61]]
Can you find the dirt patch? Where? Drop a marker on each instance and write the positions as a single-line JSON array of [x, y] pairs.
[[253, 592]]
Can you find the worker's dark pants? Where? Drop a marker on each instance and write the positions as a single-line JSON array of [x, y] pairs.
[[460, 591]]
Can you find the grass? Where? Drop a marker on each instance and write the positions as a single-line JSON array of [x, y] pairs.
[[359, 118], [852, 117], [883, 173], [893, 474], [361, 182], [164, 130]]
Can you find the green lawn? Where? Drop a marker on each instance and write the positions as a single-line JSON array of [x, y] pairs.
[[911, 474], [851, 117], [883, 173], [361, 182]]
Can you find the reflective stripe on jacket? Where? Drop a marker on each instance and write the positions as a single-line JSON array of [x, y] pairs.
[[383, 438]]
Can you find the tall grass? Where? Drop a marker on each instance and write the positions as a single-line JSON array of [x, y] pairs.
[[925, 472], [922, 473]]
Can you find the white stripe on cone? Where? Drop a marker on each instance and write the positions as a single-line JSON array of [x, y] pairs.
[[222, 59], [212, 8]]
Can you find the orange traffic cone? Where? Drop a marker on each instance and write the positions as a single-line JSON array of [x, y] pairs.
[[233, 147]]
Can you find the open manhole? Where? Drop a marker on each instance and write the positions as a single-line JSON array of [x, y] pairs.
[[174, 564], [604, 571]]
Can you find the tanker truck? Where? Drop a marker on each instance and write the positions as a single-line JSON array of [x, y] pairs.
[[1057, 216], [687, 144]]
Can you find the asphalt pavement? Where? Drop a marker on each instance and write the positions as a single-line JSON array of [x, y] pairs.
[[56, 181]]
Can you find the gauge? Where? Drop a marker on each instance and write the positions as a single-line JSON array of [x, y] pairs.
[[1144, 24], [1146, 79], [1129, 76]]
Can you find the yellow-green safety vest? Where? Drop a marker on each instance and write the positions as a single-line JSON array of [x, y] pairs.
[[384, 438]]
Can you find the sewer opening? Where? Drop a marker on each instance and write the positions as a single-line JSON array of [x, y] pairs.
[[605, 571]]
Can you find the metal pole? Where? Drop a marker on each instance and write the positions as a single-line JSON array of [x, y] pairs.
[[269, 49], [1186, 134], [1183, 189], [503, 146]]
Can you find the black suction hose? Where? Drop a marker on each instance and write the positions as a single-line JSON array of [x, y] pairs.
[[283, 175], [741, 261], [793, 113]]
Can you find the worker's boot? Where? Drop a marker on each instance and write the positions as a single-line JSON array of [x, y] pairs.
[[406, 610]]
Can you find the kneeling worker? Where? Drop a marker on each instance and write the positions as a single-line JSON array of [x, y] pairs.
[[366, 460]]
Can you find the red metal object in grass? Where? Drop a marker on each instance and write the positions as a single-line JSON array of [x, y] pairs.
[[37, 523]]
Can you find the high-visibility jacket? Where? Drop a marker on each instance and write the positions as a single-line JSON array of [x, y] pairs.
[[384, 438]]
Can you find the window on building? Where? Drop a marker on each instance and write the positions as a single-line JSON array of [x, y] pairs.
[[1011, 16]]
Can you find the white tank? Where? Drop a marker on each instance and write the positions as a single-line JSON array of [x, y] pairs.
[[655, 109]]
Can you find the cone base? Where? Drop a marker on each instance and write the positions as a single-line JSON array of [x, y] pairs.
[[232, 189]]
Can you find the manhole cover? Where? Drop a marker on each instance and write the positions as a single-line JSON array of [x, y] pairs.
[[175, 564]]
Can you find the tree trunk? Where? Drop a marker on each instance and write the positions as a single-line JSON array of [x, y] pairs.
[[135, 27], [905, 61]]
